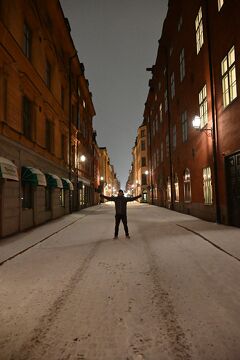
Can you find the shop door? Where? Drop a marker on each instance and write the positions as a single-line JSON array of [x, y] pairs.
[[233, 188]]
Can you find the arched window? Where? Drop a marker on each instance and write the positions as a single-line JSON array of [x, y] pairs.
[[207, 186], [169, 193], [176, 188], [187, 186]]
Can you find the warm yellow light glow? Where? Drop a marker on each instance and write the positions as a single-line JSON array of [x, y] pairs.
[[82, 158]]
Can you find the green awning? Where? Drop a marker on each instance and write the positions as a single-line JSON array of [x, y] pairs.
[[67, 184], [33, 176], [8, 169], [53, 181]]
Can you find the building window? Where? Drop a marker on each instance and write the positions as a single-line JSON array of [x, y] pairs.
[[161, 152], [220, 4], [174, 137], [199, 30], [180, 21], [49, 136], [182, 65], [47, 198], [207, 186], [144, 179], [48, 74], [167, 145], [142, 145], [229, 81], [203, 108], [62, 197], [27, 118], [176, 188], [27, 41], [166, 100], [184, 123], [160, 114], [143, 161], [187, 186], [169, 192], [142, 133], [172, 86], [27, 196]]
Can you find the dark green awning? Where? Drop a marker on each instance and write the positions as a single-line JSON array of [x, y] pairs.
[[67, 184], [53, 181], [33, 176]]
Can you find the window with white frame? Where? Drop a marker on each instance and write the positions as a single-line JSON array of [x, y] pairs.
[[166, 100], [172, 86], [176, 188], [167, 145], [160, 113], [161, 152], [199, 30], [169, 192], [174, 137], [220, 4], [207, 186], [203, 107], [187, 186], [180, 21], [229, 80], [184, 123], [182, 65]]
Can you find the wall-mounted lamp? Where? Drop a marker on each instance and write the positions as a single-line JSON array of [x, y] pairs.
[[196, 123], [82, 158], [146, 172]]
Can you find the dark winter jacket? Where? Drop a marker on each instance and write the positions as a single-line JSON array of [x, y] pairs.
[[121, 203]]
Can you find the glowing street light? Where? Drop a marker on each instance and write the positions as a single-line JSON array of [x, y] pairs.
[[82, 158], [146, 172]]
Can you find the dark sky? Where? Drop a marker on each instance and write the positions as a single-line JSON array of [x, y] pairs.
[[117, 40]]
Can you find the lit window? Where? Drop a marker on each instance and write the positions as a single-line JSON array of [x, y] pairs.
[[220, 4], [184, 123], [169, 192], [187, 186], [166, 100], [182, 65], [229, 81], [172, 86], [207, 186], [27, 41], [176, 188], [174, 137], [199, 30], [160, 113], [203, 108]]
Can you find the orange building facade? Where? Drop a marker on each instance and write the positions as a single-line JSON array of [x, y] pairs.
[[46, 110]]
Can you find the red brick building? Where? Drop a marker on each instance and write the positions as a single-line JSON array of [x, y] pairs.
[[196, 74]]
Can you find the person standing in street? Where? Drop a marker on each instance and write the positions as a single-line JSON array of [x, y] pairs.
[[121, 210]]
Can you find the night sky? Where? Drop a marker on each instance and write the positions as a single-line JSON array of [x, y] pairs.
[[117, 40]]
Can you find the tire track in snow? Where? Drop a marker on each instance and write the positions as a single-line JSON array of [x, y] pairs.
[[40, 332]]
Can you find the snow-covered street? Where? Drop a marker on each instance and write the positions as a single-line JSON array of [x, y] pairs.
[[170, 292]]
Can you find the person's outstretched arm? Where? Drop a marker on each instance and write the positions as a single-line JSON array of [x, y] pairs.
[[111, 198], [134, 198]]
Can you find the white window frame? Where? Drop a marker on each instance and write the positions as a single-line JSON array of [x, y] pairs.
[[199, 30], [207, 186], [220, 4], [182, 65], [203, 106], [229, 80], [169, 190]]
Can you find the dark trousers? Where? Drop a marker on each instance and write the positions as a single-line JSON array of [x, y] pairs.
[[118, 218]]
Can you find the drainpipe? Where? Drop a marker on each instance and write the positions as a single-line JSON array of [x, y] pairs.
[[214, 119]]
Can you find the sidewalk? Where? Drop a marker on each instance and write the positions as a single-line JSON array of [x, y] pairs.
[[225, 237]]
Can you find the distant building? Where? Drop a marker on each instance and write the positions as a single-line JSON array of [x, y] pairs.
[[108, 178], [196, 76], [46, 111]]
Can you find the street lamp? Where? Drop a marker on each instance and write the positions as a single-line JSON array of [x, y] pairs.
[[146, 172], [196, 123], [82, 158]]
